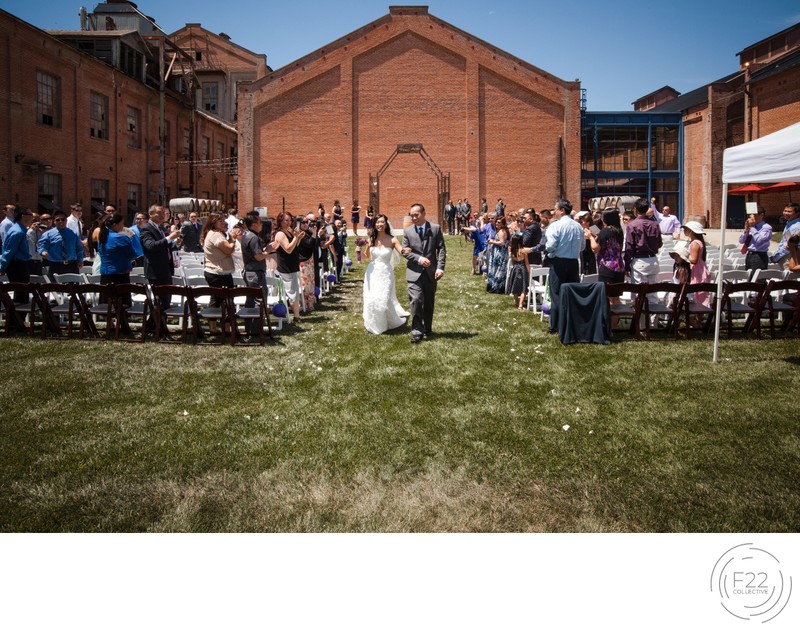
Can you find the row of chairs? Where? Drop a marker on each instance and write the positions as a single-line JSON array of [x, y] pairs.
[[744, 303], [59, 309]]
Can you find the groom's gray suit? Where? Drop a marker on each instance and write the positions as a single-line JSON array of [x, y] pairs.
[[421, 280]]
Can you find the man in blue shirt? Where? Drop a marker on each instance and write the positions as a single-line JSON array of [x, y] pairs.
[[565, 241], [792, 216], [755, 240], [8, 221], [16, 255], [61, 247]]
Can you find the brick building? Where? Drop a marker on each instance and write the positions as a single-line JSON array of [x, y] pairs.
[[219, 65], [82, 112], [412, 87], [761, 97]]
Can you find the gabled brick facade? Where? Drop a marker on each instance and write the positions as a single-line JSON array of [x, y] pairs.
[[315, 130]]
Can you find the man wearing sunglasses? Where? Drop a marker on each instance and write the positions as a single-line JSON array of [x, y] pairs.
[[60, 247]]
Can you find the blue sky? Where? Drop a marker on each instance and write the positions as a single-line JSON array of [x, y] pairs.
[[620, 50]]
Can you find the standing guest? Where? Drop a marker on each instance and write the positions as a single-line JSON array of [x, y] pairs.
[[499, 208], [39, 224], [642, 243], [520, 271], [8, 220], [355, 216], [478, 235], [498, 258], [305, 251], [531, 236], [139, 219], [15, 258], [232, 219], [61, 247], [94, 235], [75, 223], [450, 215], [607, 248], [218, 246], [588, 261], [157, 248], [369, 219], [697, 259], [545, 219], [791, 213], [484, 206], [755, 240], [464, 211], [793, 243], [667, 223], [191, 232], [338, 213], [287, 239], [255, 261], [565, 241], [115, 249], [339, 246]]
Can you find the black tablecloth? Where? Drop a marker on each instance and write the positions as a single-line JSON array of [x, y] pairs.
[[584, 314]]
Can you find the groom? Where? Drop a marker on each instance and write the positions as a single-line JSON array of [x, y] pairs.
[[423, 248]]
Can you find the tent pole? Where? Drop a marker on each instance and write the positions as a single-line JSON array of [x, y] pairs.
[[720, 269]]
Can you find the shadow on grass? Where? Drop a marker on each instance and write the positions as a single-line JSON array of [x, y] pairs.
[[793, 360]]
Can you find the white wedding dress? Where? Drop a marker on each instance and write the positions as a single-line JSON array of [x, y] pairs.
[[382, 311]]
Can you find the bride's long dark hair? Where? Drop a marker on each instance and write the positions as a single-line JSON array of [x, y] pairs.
[[373, 232]]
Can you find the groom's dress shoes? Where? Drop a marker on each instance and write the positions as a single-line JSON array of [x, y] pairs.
[[415, 339]]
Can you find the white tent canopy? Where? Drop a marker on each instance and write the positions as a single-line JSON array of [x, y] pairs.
[[773, 158]]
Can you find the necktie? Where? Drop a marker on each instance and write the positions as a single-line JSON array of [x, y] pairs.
[[63, 247], [420, 232]]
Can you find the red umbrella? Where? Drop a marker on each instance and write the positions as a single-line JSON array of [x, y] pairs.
[[747, 188], [782, 186]]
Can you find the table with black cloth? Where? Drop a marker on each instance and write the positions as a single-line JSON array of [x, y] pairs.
[[584, 316]]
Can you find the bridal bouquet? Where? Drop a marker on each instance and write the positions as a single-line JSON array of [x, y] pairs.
[[360, 243]]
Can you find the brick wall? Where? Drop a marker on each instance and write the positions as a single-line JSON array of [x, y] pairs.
[[69, 149], [316, 129]]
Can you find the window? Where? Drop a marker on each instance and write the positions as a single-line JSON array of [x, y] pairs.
[[134, 198], [198, 55], [205, 148], [134, 127], [220, 153], [49, 192], [99, 194], [131, 61], [187, 147], [98, 116], [48, 99], [210, 95]]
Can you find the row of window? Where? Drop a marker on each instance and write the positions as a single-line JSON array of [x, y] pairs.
[[50, 194], [48, 112]]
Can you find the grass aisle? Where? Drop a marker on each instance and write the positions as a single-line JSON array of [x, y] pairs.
[[333, 429]]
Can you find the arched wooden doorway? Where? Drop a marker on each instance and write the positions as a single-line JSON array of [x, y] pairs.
[[442, 181]]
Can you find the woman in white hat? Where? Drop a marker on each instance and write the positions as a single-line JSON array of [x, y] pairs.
[[682, 269], [697, 259]]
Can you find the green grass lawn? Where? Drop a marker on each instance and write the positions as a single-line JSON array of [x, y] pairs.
[[330, 428]]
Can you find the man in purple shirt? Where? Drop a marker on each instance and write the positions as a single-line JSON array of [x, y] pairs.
[[755, 240], [642, 243]]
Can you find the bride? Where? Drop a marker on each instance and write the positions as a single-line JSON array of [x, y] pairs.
[[382, 311]]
